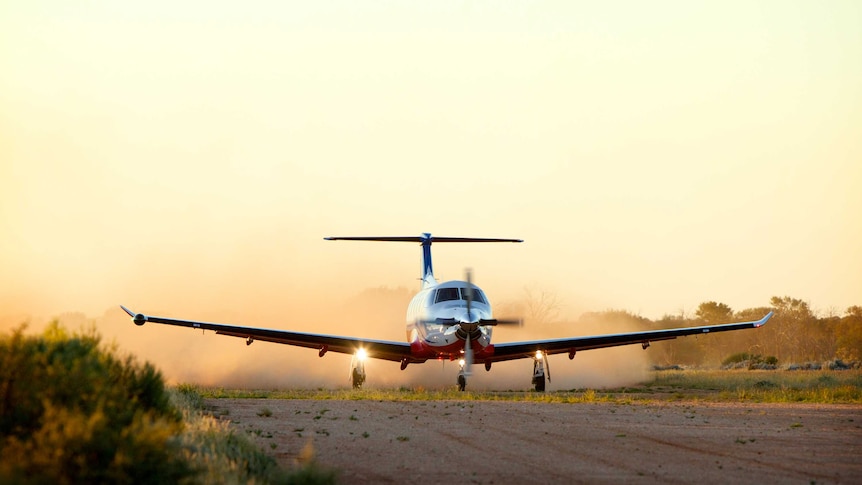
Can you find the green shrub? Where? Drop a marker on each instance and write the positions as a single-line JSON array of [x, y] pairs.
[[73, 412], [737, 358], [187, 396], [750, 360]]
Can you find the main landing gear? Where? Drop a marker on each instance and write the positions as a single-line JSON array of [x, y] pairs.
[[357, 372], [539, 372], [357, 377]]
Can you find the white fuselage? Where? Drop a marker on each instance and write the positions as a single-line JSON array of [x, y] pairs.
[[438, 319]]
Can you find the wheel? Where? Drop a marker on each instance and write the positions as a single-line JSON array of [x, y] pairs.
[[538, 375], [357, 379], [462, 382], [539, 383]]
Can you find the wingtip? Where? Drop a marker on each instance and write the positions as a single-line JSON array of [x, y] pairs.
[[138, 318], [765, 319]]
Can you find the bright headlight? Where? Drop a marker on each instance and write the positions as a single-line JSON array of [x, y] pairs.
[[539, 354], [361, 354]]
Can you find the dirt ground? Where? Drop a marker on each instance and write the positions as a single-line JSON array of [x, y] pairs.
[[453, 442]]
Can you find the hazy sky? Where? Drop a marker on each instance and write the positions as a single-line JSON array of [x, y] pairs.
[[189, 157]]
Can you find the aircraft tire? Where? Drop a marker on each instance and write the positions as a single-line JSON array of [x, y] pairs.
[[539, 383], [357, 379]]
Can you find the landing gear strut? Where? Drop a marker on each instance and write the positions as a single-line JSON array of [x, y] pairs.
[[462, 378], [358, 377], [539, 373], [357, 373]]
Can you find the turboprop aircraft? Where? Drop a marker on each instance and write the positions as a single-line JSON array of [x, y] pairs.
[[451, 320]]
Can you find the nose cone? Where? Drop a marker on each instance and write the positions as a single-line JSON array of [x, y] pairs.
[[461, 315]]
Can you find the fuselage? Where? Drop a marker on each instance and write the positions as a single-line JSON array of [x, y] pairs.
[[439, 321]]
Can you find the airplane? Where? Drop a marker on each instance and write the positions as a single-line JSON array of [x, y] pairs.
[[450, 320]]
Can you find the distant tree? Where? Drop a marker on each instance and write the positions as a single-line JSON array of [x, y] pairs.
[[848, 335], [751, 314], [717, 346], [794, 324], [760, 341], [683, 351], [713, 313], [791, 307], [540, 307], [617, 320]]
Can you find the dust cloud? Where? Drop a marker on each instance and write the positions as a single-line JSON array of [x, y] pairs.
[[193, 356], [595, 369]]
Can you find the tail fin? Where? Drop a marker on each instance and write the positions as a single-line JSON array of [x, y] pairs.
[[425, 240]]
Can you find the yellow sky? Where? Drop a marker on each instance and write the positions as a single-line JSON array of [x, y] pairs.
[[189, 157]]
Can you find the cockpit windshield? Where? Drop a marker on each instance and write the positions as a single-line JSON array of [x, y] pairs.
[[448, 294]]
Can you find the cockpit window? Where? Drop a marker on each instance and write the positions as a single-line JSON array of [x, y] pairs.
[[477, 295], [448, 294]]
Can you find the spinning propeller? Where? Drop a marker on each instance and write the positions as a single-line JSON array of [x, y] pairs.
[[470, 323], [468, 347]]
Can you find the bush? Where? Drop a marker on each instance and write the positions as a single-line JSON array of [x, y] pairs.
[[72, 412], [744, 360]]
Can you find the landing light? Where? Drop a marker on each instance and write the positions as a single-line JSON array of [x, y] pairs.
[[539, 355], [361, 354], [462, 362]]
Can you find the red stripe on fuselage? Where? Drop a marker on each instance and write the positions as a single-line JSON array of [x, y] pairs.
[[423, 350]]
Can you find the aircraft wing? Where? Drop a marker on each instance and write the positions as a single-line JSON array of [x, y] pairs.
[[519, 350], [378, 349]]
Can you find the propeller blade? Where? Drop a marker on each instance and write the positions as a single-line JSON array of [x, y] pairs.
[[502, 321], [468, 357], [469, 294], [452, 322]]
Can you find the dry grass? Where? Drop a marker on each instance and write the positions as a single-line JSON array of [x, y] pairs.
[[827, 387]]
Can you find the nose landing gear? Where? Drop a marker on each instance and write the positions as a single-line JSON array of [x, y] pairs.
[[539, 372]]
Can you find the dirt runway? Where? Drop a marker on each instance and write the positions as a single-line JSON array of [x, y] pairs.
[[452, 442]]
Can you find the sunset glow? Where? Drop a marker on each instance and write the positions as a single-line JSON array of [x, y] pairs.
[[187, 158]]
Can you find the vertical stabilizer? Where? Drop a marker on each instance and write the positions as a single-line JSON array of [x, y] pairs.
[[427, 266]]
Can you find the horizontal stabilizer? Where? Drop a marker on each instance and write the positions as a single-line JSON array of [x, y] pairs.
[[426, 239], [419, 239]]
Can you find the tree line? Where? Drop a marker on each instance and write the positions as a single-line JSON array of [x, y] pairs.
[[795, 334]]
